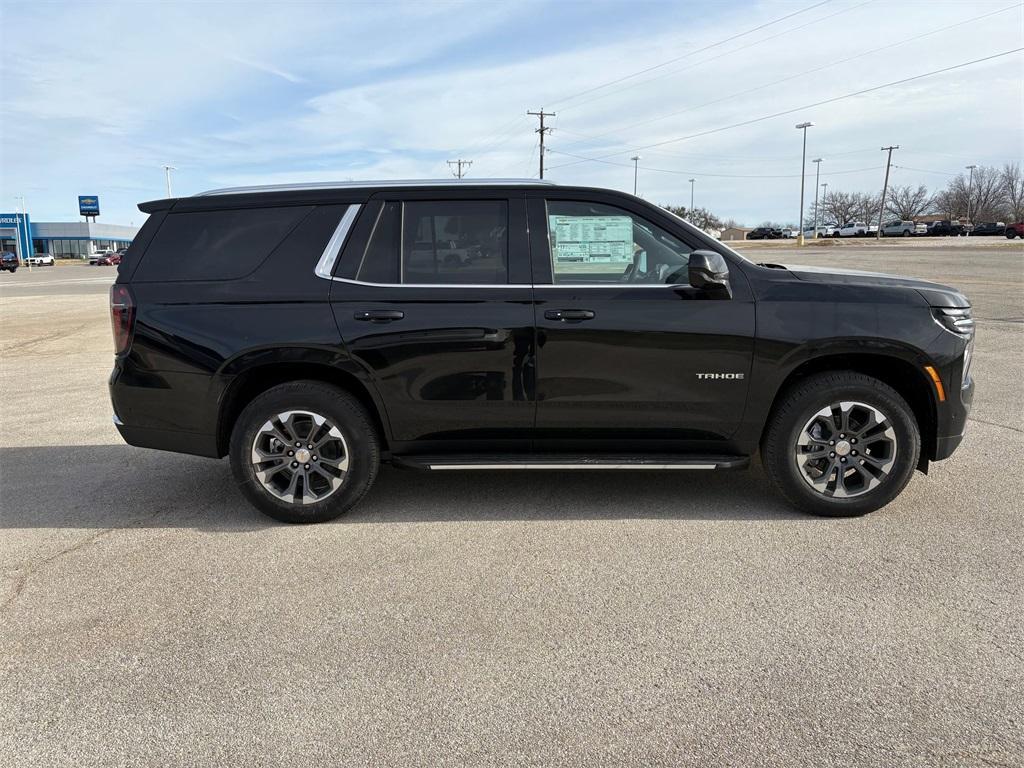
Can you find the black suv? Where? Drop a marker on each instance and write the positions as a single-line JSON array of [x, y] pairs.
[[764, 233], [8, 262], [313, 332]]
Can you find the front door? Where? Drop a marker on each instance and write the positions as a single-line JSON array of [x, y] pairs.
[[630, 356], [437, 306]]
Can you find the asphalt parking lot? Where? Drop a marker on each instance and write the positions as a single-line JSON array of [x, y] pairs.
[[151, 617]]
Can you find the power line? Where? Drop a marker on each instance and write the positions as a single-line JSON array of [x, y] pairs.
[[691, 53], [710, 175], [806, 72], [807, 106], [786, 32]]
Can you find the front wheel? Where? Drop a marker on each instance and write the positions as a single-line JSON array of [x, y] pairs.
[[304, 452], [841, 444]]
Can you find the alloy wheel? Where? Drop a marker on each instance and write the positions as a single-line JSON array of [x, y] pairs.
[[300, 457], [846, 449]]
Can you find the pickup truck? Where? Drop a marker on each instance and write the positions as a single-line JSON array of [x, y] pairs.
[[945, 227], [903, 229], [1015, 230], [857, 229]]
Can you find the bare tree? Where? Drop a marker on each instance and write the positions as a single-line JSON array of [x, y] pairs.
[[701, 218], [867, 206], [837, 208], [906, 202], [986, 199], [1013, 191]]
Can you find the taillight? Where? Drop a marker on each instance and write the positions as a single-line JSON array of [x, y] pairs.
[[122, 317]]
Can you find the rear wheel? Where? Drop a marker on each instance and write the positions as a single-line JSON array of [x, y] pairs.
[[841, 444], [906, 233], [304, 452], [1010, 234]]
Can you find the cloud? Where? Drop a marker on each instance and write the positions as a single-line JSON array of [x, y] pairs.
[[319, 92]]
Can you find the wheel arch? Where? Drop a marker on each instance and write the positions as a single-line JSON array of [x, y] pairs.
[[257, 379], [908, 379]]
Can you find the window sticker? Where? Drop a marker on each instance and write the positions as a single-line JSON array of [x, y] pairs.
[[591, 239]]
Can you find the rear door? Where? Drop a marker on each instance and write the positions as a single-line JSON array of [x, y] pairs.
[[630, 357], [435, 302]]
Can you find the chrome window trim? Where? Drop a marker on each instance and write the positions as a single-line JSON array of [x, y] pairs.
[[501, 285], [325, 267], [411, 183]]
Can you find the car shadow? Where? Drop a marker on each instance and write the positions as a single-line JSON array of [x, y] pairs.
[[118, 486]]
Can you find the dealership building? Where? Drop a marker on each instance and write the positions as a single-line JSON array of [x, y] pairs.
[[70, 239]]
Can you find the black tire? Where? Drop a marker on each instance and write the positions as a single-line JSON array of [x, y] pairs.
[[1010, 234], [338, 407], [906, 233], [796, 406]]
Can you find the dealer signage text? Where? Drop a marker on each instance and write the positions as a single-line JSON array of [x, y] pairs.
[[88, 205]]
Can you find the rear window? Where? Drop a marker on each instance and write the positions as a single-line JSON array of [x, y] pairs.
[[216, 245], [439, 242]]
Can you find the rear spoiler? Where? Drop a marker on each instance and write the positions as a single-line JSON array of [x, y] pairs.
[[158, 205]]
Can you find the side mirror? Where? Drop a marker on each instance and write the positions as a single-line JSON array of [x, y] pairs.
[[709, 272]]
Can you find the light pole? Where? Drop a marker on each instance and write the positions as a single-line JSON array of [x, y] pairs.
[[636, 165], [817, 177], [803, 165], [167, 174], [691, 199], [824, 195], [970, 187], [24, 245]]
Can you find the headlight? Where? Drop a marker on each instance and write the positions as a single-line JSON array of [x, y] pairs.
[[958, 321]]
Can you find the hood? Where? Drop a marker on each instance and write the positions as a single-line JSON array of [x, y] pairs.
[[935, 294]]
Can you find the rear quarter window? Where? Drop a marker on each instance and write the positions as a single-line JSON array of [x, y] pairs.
[[216, 245]]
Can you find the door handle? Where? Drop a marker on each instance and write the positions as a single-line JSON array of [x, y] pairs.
[[379, 315], [569, 315]]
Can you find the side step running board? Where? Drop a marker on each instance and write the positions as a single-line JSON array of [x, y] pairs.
[[436, 463]]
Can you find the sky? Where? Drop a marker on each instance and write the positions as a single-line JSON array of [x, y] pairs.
[[97, 97]]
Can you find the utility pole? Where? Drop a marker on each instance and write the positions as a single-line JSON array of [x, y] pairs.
[[167, 174], [817, 177], [885, 188], [457, 164], [636, 165], [803, 170], [970, 188], [691, 199], [542, 130]]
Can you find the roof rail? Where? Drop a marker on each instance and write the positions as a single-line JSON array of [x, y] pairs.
[[323, 185]]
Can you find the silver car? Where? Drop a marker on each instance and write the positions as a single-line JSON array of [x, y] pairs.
[[903, 229]]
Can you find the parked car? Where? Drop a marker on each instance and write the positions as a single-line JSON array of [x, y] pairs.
[[945, 228], [108, 260], [41, 260], [821, 231], [790, 231], [1015, 230], [898, 228], [335, 354], [857, 229], [764, 233], [988, 229], [8, 262], [94, 260]]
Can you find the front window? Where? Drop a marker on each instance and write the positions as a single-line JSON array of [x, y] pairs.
[[595, 244]]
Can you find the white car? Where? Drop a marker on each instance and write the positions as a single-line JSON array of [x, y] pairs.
[[41, 260], [822, 231], [857, 229]]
